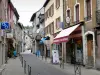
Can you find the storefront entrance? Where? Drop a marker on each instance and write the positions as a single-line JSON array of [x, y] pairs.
[[74, 51]]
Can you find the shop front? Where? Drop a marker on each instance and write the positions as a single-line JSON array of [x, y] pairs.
[[72, 44], [45, 46]]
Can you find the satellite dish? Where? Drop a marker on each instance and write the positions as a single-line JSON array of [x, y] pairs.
[[67, 19]]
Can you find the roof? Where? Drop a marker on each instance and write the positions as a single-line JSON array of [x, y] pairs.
[[16, 13], [14, 9], [20, 25], [9, 1], [45, 4], [33, 17]]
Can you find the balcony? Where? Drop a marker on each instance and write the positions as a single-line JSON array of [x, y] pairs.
[[98, 17]]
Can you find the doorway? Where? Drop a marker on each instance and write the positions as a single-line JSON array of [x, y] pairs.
[[90, 59]]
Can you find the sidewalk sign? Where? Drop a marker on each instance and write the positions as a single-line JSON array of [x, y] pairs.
[[55, 56]]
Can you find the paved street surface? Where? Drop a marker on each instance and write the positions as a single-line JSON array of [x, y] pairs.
[[42, 67], [69, 68], [14, 67], [39, 67]]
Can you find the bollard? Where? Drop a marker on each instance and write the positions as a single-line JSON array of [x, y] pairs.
[[0, 73], [24, 66], [29, 70], [22, 61]]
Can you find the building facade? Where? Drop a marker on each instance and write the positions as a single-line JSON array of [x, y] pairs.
[[53, 21], [81, 21], [37, 20], [97, 34], [3, 49], [28, 42]]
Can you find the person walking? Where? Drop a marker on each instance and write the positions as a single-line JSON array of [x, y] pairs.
[[15, 54]]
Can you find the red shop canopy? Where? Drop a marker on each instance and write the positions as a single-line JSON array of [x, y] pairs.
[[64, 34]]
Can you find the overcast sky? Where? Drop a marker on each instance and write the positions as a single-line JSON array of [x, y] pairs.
[[26, 8]]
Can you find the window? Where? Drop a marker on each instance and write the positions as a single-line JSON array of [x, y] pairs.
[[57, 4], [68, 13], [52, 10], [77, 13], [48, 29], [52, 28], [45, 30], [88, 9], [58, 23], [68, 17], [47, 13]]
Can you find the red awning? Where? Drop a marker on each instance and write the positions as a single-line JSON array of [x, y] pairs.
[[64, 34]]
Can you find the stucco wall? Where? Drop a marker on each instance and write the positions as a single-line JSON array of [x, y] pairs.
[[57, 13], [98, 51]]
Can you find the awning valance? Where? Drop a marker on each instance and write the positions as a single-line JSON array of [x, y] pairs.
[[64, 34]]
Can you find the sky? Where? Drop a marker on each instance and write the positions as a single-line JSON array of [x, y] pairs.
[[26, 8]]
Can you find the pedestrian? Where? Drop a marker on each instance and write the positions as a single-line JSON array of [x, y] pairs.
[[15, 53], [36, 53]]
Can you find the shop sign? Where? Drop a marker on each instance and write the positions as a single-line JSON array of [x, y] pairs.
[[61, 40]]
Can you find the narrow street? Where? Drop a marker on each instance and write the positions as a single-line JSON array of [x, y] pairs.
[[49, 37], [39, 67]]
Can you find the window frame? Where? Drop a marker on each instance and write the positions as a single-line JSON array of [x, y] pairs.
[[57, 4], [88, 10], [75, 12], [58, 20], [52, 10]]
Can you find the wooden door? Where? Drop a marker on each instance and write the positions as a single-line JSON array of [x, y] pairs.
[[90, 53], [90, 47]]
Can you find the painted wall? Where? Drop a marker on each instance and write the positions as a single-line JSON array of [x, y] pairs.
[[57, 12], [10, 15]]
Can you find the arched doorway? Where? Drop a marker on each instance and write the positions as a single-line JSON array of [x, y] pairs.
[[90, 49]]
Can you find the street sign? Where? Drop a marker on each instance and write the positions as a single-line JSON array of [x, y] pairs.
[[5, 25]]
